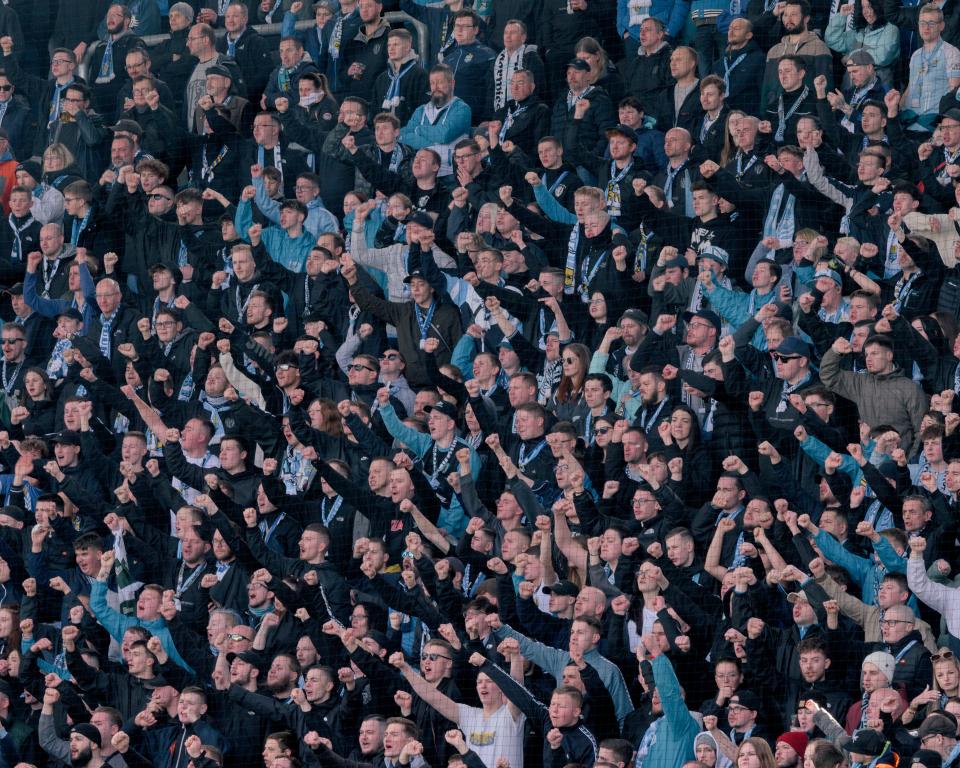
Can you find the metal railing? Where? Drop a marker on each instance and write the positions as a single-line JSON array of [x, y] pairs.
[[273, 30]]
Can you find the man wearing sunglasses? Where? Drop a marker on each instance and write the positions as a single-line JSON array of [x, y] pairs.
[[392, 367], [15, 117], [363, 377], [793, 376]]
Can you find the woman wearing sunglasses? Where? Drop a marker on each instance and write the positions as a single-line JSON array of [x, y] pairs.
[[944, 686]]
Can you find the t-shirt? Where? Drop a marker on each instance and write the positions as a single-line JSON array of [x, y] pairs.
[[497, 736]]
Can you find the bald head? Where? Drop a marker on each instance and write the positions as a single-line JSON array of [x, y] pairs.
[[108, 295]]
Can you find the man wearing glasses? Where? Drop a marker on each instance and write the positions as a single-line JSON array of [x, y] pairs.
[[115, 325], [903, 641], [392, 367], [363, 374], [201, 42], [469, 59], [793, 376], [14, 341], [137, 65], [319, 220], [62, 66], [938, 733], [79, 129]]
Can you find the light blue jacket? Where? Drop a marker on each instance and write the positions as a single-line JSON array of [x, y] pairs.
[[319, 219], [453, 518], [53, 307], [736, 307], [286, 251], [554, 660], [883, 44], [116, 623], [865, 571], [673, 14], [419, 133], [677, 730]]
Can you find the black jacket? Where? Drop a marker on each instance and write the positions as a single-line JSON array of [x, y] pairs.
[[598, 118], [253, 55], [123, 329], [529, 123], [413, 90], [742, 93], [371, 54], [293, 161]]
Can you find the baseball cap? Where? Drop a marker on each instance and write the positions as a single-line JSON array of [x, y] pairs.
[[127, 126], [415, 274], [715, 253], [792, 346], [831, 273], [953, 113], [704, 314], [562, 589], [860, 58], [248, 656], [623, 130], [926, 758], [423, 219], [677, 262], [156, 682], [443, 407], [637, 315], [866, 741], [579, 64], [746, 698], [173, 270], [67, 437], [938, 724], [17, 513]]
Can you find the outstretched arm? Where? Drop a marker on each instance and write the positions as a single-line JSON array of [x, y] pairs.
[[443, 704]]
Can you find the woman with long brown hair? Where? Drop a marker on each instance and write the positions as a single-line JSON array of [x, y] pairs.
[[730, 136], [575, 360]]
